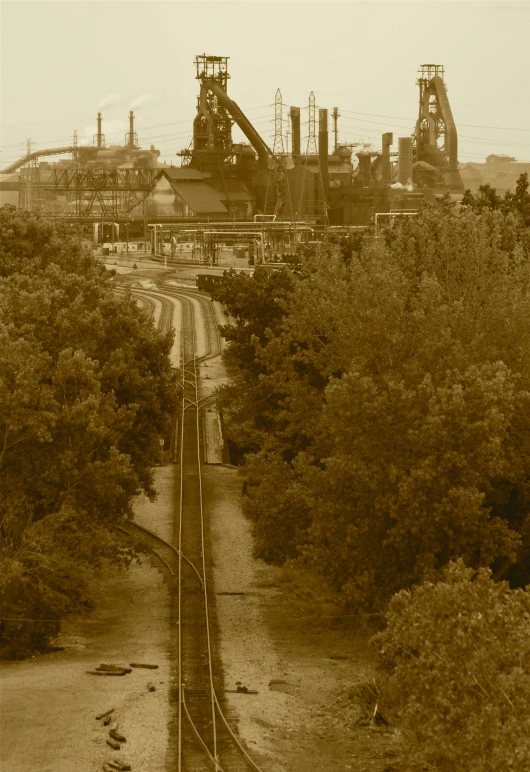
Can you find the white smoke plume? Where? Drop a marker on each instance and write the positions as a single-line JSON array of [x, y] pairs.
[[111, 100], [114, 132], [143, 99]]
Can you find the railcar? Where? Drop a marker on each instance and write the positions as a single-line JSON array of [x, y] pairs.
[[208, 281]]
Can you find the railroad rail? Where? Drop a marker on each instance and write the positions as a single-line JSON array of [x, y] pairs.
[[204, 739]]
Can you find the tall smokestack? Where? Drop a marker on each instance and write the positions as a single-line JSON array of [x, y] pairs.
[[294, 114], [99, 135], [131, 139], [336, 117], [323, 149], [386, 169], [131, 129], [405, 160]]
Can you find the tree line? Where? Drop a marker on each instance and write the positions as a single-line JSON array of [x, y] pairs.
[[86, 390], [379, 397]]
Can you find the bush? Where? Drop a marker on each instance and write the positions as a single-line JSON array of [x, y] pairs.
[[460, 652]]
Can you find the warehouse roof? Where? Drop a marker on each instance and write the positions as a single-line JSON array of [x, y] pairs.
[[200, 197]]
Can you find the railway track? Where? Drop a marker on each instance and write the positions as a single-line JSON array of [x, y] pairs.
[[203, 737]]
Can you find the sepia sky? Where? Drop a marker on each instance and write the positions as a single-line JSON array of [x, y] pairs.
[[62, 61]]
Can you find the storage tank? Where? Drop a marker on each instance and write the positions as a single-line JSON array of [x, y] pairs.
[[405, 160]]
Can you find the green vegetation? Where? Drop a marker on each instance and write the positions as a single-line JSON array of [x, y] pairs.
[[86, 389], [380, 392], [382, 396], [459, 651]]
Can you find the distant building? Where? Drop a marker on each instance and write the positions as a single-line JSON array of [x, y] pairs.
[[499, 171]]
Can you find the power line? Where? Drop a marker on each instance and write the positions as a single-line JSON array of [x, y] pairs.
[[467, 125]]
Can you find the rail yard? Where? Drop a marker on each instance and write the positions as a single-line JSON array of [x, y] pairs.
[[218, 648], [264, 387]]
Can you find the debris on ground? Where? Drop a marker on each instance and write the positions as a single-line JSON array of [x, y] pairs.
[[108, 672], [117, 736], [124, 765], [149, 667], [106, 714]]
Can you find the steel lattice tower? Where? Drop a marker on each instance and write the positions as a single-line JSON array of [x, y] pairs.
[[312, 131], [278, 146]]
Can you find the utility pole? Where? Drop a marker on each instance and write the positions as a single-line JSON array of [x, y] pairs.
[[278, 147]]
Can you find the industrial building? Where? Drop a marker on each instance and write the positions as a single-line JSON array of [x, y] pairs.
[[323, 184]]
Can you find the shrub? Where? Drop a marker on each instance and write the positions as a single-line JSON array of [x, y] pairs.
[[460, 652]]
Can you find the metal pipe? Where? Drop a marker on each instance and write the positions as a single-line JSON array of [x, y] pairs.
[[242, 121], [391, 215]]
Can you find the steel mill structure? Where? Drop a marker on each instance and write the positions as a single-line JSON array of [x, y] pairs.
[[311, 186]]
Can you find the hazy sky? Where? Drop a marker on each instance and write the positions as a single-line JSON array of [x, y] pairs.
[[62, 61]]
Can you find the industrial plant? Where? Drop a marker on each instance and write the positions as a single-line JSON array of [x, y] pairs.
[[315, 184]]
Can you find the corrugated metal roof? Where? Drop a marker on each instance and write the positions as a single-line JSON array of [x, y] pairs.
[[200, 197]]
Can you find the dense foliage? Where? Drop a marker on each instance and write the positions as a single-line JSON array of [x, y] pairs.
[[459, 652], [86, 390], [382, 394]]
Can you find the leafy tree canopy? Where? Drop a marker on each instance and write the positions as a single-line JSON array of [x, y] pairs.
[[86, 390], [386, 407]]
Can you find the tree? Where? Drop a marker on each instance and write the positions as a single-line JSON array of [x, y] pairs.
[[86, 390], [460, 653], [405, 476], [395, 387]]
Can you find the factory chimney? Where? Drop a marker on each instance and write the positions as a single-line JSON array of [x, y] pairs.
[[98, 140], [131, 129], [323, 149], [405, 160], [386, 169], [131, 139], [294, 114], [336, 117]]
